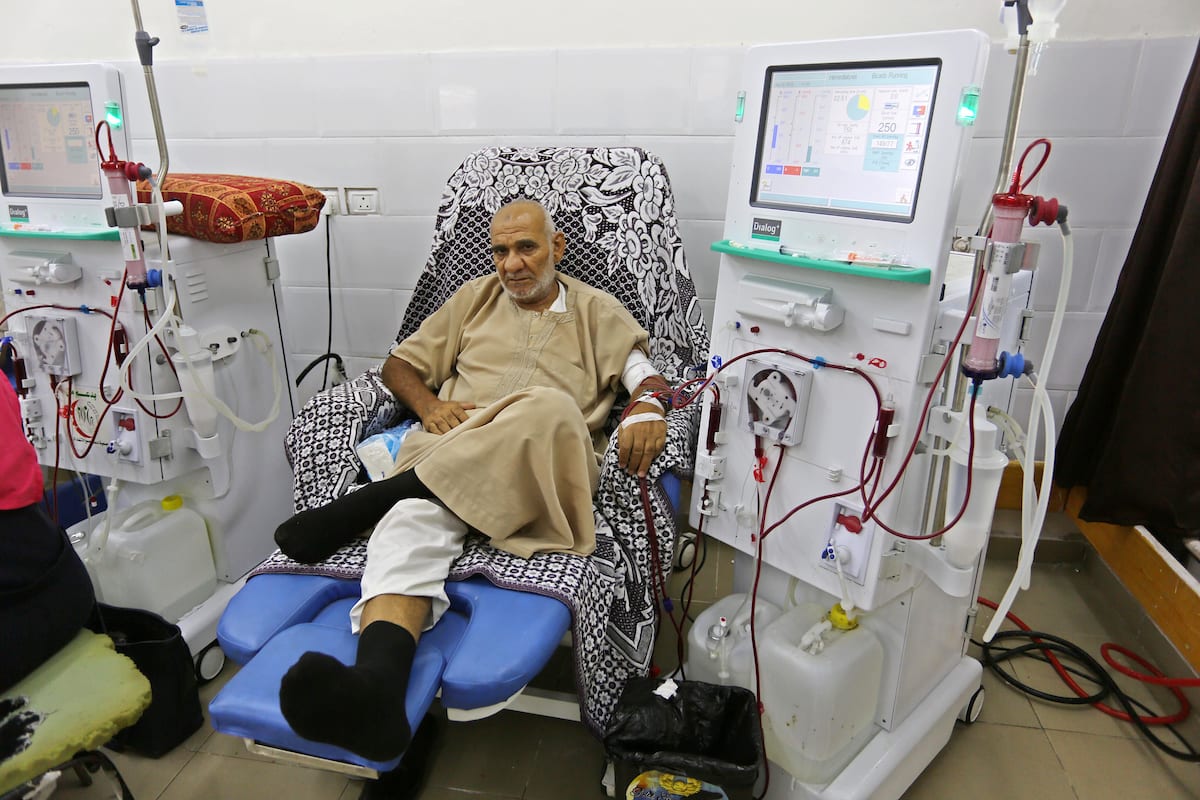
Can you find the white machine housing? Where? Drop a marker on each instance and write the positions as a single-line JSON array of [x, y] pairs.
[[57, 248], [854, 286], [224, 291]]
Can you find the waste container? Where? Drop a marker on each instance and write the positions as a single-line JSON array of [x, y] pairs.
[[698, 741]]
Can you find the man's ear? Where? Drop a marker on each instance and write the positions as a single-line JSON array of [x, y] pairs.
[[560, 245]]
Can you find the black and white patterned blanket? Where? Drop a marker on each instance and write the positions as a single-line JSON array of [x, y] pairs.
[[617, 211]]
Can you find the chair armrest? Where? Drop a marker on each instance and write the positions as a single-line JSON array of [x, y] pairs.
[[320, 441]]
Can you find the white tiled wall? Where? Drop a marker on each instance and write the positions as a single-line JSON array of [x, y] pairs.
[[402, 123]]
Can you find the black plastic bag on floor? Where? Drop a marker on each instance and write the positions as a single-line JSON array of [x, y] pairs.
[[703, 741], [158, 650]]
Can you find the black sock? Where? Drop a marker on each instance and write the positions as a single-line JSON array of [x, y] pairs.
[[359, 708], [316, 534]]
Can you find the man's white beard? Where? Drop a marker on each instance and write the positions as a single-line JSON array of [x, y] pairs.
[[537, 291]]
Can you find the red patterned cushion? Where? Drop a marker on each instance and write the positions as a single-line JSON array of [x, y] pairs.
[[235, 208]]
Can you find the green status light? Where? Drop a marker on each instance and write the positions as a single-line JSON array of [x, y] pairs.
[[112, 113], [968, 105], [741, 107]]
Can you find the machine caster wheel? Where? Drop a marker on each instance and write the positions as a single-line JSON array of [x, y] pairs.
[[973, 708], [685, 551], [209, 663]]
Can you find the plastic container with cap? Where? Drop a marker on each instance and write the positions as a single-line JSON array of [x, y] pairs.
[[820, 686], [719, 647], [158, 557]]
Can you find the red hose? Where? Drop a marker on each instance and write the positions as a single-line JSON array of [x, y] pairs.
[[1185, 708]]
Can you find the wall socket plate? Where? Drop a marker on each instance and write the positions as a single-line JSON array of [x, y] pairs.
[[362, 201], [333, 201]]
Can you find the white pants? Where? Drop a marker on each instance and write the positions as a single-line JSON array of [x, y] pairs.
[[410, 553]]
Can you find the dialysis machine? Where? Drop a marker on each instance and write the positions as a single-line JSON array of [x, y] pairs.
[[162, 412], [831, 378]]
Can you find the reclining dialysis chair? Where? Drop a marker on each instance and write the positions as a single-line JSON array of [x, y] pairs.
[[507, 614]]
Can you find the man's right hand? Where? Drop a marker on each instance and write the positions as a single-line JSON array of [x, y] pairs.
[[437, 416], [443, 416]]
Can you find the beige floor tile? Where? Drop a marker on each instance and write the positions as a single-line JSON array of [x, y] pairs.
[[208, 776], [207, 692], [210, 741], [666, 657], [493, 755], [220, 744], [355, 787], [1003, 705], [211, 689], [146, 777], [1083, 718], [993, 762], [570, 763], [1152, 645], [1102, 768], [997, 573], [442, 793], [1053, 603]]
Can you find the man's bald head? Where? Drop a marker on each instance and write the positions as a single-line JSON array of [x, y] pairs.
[[526, 206]]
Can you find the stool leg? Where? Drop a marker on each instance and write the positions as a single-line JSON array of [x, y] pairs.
[[95, 760], [81, 772]]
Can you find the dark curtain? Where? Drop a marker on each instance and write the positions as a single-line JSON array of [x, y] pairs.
[[1132, 436]]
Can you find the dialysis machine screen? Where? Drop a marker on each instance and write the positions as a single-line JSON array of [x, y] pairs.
[[46, 141], [845, 139]]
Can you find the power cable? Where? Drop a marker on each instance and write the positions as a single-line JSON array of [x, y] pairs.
[[1044, 647], [328, 355]]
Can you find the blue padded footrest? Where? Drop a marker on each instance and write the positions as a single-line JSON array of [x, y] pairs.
[[485, 649], [248, 706], [269, 604], [509, 638]]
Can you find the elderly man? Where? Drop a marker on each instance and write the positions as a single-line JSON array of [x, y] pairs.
[[513, 380]]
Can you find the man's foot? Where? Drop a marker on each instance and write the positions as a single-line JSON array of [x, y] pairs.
[[316, 534], [350, 707], [358, 708]]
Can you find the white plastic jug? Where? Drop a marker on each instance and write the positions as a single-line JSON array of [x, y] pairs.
[[722, 654], [158, 558], [820, 708]]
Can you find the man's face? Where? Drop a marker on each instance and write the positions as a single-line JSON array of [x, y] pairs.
[[525, 258]]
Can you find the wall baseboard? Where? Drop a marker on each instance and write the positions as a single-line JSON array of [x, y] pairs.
[[1168, 594], [1010, 488], [1163, 586]]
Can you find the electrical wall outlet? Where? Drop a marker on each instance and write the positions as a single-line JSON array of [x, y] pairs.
[[362, 201], [333, 201]]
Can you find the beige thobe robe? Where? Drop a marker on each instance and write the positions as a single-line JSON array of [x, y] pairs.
[[523, 467]]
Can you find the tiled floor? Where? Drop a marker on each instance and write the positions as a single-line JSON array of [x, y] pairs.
[[1018, 749]]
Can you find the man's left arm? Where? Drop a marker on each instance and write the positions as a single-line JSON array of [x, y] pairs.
[[642, 434]]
